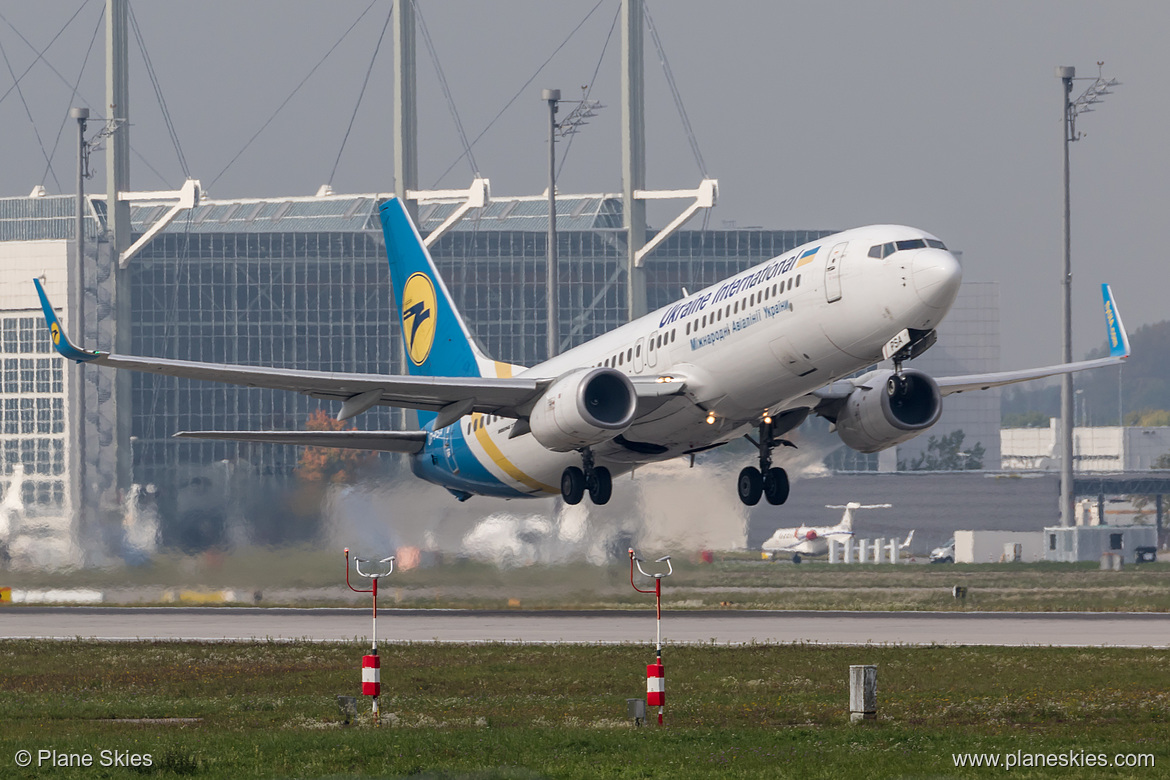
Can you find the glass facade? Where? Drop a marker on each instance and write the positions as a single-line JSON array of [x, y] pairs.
[[32, 410], [317, 301]]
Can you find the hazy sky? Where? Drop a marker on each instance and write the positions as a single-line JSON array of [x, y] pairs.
[[941, 115]]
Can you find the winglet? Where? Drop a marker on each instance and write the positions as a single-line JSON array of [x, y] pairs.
[[1118, 339], [60, 341]]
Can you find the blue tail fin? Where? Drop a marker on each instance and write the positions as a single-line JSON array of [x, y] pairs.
[[434, 336]]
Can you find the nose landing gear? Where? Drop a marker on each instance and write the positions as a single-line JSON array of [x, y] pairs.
[[596, 480], [767, 480]]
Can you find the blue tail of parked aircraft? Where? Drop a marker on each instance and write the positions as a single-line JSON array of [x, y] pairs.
[[434, 336]]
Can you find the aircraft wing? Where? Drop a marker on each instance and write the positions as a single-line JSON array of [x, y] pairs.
[[959, 384], [408, 442], [1118, 352], [507, 397], [474, 394]]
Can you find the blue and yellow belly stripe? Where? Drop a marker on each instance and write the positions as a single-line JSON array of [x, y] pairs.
[[508, 467]]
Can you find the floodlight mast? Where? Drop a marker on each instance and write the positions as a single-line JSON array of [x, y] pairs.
[[1083, 104], [552, 96], [570, 125]]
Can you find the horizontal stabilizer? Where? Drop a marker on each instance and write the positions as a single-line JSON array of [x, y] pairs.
[[408, 442]]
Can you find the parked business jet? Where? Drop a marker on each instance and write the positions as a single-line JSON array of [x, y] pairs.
[[812, 541], [753, 354]]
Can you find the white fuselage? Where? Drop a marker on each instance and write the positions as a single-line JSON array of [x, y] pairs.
[[750, 345], [809, 541]]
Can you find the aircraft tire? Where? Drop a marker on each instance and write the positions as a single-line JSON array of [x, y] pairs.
[[573, 485], [600, 486], [796, 558], [750, 485], [776, 486]]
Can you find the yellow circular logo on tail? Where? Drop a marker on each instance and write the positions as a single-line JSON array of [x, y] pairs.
[[55, 330], [418, 317]]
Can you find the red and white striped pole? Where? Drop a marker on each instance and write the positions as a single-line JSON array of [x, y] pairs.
[[371, 664], [656, 687], [655, 673]]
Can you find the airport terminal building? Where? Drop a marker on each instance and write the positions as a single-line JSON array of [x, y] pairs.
[[303, 283]]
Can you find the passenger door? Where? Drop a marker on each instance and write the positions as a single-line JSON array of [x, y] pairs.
[[833, 273], [651, 351]]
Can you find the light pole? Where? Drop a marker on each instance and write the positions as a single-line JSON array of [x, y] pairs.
[[1083, 104], [553, 96], [576, 118], [75, 280]]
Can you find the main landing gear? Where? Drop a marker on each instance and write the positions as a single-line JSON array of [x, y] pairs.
[[596, 480], [767, 481]]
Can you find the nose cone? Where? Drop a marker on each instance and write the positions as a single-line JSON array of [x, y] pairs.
[[936, 275]]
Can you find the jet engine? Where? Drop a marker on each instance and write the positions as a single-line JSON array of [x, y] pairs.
[[582, 408], [888, 408], [811, 535]]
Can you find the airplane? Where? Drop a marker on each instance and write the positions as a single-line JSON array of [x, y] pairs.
[[757, 352], [810, 541]]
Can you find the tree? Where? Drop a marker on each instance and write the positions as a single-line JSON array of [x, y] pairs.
[[1025, 420], [945, 453], [328, 464], [1149, 418]]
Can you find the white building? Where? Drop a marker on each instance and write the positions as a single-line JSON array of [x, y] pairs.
[[40, 508], [1095, 449]]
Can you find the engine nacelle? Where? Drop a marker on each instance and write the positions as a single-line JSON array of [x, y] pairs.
[[887, 409], [582, 408], [811, 535]]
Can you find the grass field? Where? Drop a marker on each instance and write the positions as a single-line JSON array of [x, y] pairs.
[[734, 580], [509, 711]]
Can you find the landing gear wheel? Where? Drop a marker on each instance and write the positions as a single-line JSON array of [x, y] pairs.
[[796, 558], [776, 486], [573, 485], [600, 485], [750, 485]]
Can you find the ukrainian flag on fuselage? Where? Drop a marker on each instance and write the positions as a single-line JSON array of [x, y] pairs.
[[436, 341]]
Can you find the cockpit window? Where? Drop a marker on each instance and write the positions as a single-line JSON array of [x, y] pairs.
[[881, 251]]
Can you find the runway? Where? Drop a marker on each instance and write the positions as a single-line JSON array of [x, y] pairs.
[[723, 627]]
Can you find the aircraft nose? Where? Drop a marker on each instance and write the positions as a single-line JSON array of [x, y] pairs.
[[936, 275]]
